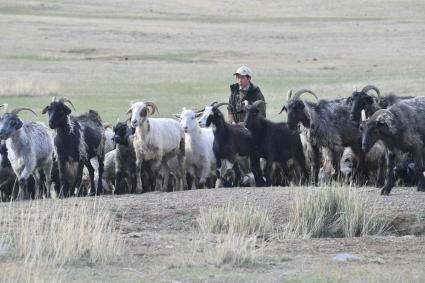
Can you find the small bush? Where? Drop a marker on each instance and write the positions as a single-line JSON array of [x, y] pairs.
[[332, 212], [233, 219]]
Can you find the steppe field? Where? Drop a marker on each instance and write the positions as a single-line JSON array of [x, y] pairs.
[[103, 55]]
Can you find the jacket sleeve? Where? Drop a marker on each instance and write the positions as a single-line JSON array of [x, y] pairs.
[[262, 108]]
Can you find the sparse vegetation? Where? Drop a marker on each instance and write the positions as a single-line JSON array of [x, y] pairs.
[[234, 219], [332, 211], [235, 250], [59, 233]]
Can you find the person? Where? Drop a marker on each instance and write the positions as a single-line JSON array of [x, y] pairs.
[[243, 90]]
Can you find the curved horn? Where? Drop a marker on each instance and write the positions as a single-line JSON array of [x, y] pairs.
[[19, 109], [221, 104], [288, 95], [298, 94], [199, 111], [66, 100], [153, 107], [369, 87], [382, 112], [258, 103], [214, 103]]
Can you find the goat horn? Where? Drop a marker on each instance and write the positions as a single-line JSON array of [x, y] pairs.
[[199, 111], [153, 107], [258, 103], [53, 98], [382, 112], [221, 104], [5, 105], [288, 95], [19, 109], [298, 94], [64, 100], [369, 87]]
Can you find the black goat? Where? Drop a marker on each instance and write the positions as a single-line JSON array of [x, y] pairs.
[[125, 160], [78, 139], [329, 126], [230, 141], [401, 128], [363, 100], [274, 142]]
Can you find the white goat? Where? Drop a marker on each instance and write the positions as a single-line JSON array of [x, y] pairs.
[[158, 140], [200, 159], [30, 147]]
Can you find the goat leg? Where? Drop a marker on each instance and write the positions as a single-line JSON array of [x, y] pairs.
[[315, 165], [389, 182]]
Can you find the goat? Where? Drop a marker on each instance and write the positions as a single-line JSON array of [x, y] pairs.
[[125, 160], [362, 100], [78, 139], [329, 126], [157, 140], [30, 147], [200, 160], [230, 141], [274, 141], [401, 129]]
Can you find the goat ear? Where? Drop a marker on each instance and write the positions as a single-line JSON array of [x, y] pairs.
[[45, 110], [177, 116], [18, 124], [67, 110]]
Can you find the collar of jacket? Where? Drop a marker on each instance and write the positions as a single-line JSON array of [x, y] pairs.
[[234, 88]]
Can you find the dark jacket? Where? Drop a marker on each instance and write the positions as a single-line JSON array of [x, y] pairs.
[[236, 101]]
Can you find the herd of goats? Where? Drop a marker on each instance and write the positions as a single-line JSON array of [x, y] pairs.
[[366, 138]]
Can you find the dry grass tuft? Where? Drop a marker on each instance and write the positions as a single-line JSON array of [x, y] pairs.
[[235, 250], [59, 232], [240, 228], [332, 212], [234, 219]]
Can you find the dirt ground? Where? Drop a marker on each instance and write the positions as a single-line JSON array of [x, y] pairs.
[[178, 53], [162, 236]]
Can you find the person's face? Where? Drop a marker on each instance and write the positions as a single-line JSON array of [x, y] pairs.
[[243, 81]]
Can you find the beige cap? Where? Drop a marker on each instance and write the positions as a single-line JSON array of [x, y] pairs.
[[243, 71]]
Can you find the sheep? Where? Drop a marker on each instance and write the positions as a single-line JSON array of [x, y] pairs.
[[30, 147], [362, 100], [401, 129], [157, 140], [78, 139], [125, 160], [274, 141], [230, 141], [200, 160], [329, 126]]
